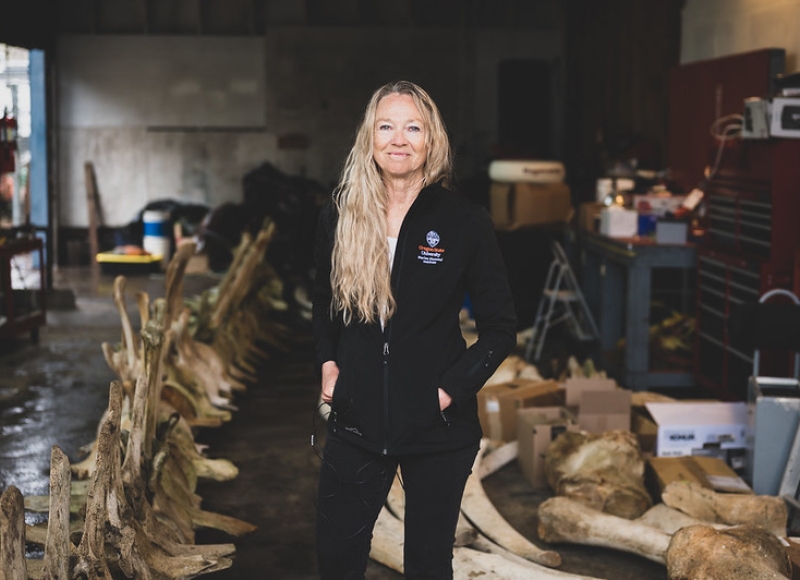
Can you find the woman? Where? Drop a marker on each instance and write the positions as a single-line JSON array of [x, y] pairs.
[[396, 253]]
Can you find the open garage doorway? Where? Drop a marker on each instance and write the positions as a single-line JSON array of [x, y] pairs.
[[24, 223], [23, 141]]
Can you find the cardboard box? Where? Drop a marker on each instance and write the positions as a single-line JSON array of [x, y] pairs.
[[618, 222], [605, 410], [498, 405], [645, 429], [719, 475], [598, 403], [513, 205], [589, 216], [698, 427], [536, 429], [642, 424], [574, 387], [710, 472]]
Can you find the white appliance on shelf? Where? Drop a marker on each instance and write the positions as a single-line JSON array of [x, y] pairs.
[[785, 115], [755, 124]]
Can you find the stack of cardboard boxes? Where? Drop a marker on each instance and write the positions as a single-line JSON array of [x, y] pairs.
[[701, 441], [527, 193]]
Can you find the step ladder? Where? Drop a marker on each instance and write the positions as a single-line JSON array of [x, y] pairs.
[[561, 301]]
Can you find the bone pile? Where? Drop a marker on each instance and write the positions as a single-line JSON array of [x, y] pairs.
[[696, 533], [600, 500], [487, 546], [130, 510], [601, 470]]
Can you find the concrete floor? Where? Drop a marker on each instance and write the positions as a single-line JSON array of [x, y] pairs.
[[53, 393]]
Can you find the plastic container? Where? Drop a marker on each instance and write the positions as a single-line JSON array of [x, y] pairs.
[[157, 238], [526, 171]]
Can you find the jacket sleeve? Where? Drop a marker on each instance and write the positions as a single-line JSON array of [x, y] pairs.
[[326, 329], [495, 316]]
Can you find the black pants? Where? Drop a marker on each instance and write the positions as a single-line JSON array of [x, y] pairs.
[[353, 486]]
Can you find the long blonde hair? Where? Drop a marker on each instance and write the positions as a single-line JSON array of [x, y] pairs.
[[360, 269]]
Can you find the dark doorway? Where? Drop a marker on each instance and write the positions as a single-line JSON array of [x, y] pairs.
[[525, 108]]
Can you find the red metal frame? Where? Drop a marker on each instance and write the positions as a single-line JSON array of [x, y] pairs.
[[768, 172]]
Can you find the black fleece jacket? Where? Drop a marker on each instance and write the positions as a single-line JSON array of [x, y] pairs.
[[386, 397]]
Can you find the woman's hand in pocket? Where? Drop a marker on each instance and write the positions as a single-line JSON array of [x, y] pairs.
[[445, 400], [330, 373]]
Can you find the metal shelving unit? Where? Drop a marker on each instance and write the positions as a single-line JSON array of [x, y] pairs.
[[22, 288]]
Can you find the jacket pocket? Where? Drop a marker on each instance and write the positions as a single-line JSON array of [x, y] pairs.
[[436, 421]]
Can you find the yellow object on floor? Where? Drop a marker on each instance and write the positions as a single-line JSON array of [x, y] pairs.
[[113, 258]]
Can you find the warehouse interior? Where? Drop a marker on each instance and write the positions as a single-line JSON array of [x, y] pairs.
[[639, 164]]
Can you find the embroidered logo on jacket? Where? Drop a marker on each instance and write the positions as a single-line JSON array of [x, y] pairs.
[[430, 254]]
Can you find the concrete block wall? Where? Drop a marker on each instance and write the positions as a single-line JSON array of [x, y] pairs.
[[714, 28], [185, 117], [159, 117]]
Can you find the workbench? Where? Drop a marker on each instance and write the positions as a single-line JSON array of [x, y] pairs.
[[616, 275]]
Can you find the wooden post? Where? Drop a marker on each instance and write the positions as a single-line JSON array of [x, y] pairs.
[[91, 208]]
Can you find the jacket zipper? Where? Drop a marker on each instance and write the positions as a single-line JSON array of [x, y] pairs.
[[385, 450], [387, 335], [484, 362], [397, 269]]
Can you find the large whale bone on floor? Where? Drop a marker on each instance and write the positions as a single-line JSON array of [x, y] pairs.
[[235, 317], [740, 553], [766, 511], [468, 563], [482, 513], [497, 455], [669, 520], [396, 503], [185, 387], [123, 531], [126, 360], [107, 522], [466, 533], [209, 369], [172, 471], [604, 471], [236, 283], [562, 519]]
